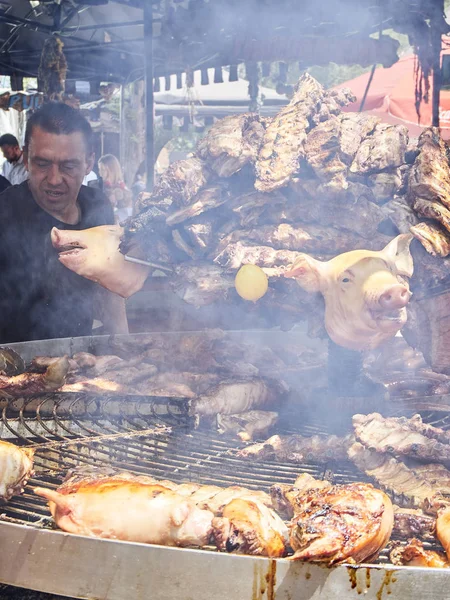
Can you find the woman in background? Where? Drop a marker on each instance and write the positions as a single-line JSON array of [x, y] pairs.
[[114, 186]]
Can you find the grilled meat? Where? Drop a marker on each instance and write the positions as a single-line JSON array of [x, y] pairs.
[[182, 181], [433, 210], [36, 383], [285, 497], [429, 177], [443, 529], [151, 514], [206, 199], [308, 238], [201, 284], [40, 364], [355, 127], [16, 467], [250, 527], [402, 437], [296, 448], [401, 214], [415, 555], [96, 385], [433, 237], [411, 522], [322, 149], [343, 523], [384, 149], [231, 143], [237, 254], [233, 397], [285, 137], [201, 235], [385, 185], [247, 425], [401, 480], [208, 497]]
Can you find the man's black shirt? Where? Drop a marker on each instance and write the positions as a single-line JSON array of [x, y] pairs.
[[39, 297]]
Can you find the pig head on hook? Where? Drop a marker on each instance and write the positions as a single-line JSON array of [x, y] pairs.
[[365, 292]]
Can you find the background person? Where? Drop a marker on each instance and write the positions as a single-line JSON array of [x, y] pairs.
[[14, 169], [114, 186], [39, 297]]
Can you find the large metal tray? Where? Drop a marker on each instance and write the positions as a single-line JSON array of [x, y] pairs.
[[55, 562]]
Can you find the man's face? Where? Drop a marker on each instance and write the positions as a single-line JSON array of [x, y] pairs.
[[56, 165], [11, 153]]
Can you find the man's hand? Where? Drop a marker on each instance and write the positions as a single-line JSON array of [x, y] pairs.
[[110, 309]]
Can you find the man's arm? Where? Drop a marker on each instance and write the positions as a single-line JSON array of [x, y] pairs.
[[110, 309]]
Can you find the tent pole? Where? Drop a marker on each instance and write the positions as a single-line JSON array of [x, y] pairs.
[[436, 41], [149, 101]]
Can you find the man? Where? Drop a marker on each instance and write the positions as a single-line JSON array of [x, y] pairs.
[[39, 297], [14, 169]]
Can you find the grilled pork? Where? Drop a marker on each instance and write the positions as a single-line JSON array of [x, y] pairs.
[[151, 514], [233, 397], [343, 523], [417, 487], [385, 149], [433, 210], [250, 527], [297, 448], [285, 137], [208, 497], [206, 199], [231, 143], [402, 437], [36, 383], [247, 425], [433, 237], [16, 467], [410, 522], [415, 555], [181, 181]]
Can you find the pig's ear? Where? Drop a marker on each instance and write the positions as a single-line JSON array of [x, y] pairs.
[[398, 255], [308, 272]]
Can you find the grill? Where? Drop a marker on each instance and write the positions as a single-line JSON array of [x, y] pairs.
[[155, 436]]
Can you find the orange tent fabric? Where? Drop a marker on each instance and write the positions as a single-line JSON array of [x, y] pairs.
[[391, 97]]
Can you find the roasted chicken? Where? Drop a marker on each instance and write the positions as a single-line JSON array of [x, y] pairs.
[[343, 523], [16, 467]]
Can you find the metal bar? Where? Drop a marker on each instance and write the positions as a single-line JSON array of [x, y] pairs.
[[436, 41], [146, 263], [149, 99], [104, 26]]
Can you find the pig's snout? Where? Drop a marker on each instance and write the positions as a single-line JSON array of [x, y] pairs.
[[395, 297]]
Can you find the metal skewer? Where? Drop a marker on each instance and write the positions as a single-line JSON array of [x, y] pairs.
[[146, 263]]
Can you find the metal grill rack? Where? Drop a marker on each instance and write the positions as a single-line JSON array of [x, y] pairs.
[[144, 436]]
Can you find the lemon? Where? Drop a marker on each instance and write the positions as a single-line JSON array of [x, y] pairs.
[[251, 282]]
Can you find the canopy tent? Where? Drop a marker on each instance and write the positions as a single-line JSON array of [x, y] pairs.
[[212, 100], [391, 96]]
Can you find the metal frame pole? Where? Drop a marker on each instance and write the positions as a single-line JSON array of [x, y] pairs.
[[149, 102], [436, 41]]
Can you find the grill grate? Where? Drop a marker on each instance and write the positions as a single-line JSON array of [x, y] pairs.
[[147, 437]]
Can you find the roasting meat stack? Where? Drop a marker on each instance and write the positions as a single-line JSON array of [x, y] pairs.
[[313, 179]]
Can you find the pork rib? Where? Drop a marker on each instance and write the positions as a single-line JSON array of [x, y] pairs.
[[285, 137], [402, 436]]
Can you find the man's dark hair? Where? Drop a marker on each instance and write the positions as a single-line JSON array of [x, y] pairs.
[[8, 139], [59, 118]]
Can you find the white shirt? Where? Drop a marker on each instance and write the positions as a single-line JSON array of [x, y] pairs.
[[15, 172], [91, 176]]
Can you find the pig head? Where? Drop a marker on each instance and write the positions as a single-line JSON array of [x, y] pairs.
[[94, 253], [365, 292]]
